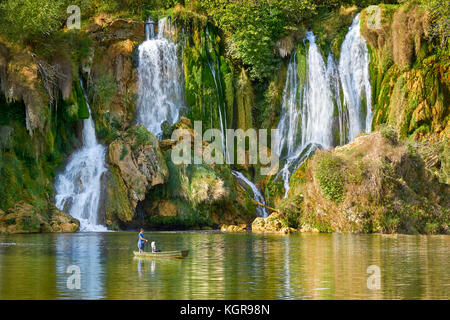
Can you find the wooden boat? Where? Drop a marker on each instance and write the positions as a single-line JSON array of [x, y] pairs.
[[165, 254]]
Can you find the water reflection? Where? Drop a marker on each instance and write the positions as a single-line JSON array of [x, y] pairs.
[[225, 266], [85, 251]]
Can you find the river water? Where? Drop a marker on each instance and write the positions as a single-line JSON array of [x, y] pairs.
[[225, 266]]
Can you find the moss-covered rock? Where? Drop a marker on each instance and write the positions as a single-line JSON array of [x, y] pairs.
[[26, 218], [409, 73], [195, 195], [137, 164], [273, 223]]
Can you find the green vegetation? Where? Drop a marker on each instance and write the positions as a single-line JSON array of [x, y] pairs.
[[248, 45], [330, 177], [28, 163]]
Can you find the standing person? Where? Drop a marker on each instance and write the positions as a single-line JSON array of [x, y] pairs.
[[141, 241]]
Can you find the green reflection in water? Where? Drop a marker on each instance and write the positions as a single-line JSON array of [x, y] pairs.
[[225, 266]]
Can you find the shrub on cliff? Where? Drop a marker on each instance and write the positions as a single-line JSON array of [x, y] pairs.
[[374, 185]]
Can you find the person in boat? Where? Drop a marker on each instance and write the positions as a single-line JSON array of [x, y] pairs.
[[154, 247], [141, 241]]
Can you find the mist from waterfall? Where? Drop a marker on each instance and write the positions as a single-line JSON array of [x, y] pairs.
[[160, 79], [308, 111], [78, 188]]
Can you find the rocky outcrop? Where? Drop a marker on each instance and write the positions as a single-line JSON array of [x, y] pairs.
[[63, 222], [374, 184], [195, 195], [233, 228], [273, 223], [137, 165], [25, 218], [112, 74]]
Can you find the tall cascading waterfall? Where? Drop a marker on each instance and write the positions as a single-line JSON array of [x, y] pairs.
[[306, 112], [78, 188], [307, 115], [355, 79], [160, 79]]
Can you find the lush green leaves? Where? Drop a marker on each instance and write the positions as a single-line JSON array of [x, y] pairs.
[[252, 27]]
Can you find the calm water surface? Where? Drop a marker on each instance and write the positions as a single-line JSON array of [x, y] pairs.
[[225, 266]]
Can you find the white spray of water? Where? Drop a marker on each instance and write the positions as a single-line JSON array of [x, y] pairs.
[[355, 79], [78, 188], [160, 79]]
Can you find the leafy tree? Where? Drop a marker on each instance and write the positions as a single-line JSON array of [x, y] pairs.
[[252, 27], [30, 19]]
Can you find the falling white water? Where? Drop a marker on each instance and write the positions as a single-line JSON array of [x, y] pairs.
[[220, 106], [306, 113], [78, 188], [288, 139], [317, 113], [257, 195], [160, 79], [333, 78], [355, 79]]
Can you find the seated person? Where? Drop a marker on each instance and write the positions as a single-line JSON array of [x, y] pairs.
[[154, 247]]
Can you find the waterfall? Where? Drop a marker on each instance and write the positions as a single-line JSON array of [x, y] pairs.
[[333, 78], [290, 113], [355, 79], [257, 195], [160, 79], [78, 187], [307, 112]]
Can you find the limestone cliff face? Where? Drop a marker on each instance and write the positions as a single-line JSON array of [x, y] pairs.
[[195, 195], [42, 102], [408, 73], [112, 75], [137, 165], [40, 107], [19, 81]]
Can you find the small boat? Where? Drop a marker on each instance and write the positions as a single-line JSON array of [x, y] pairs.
[[164, 254]]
